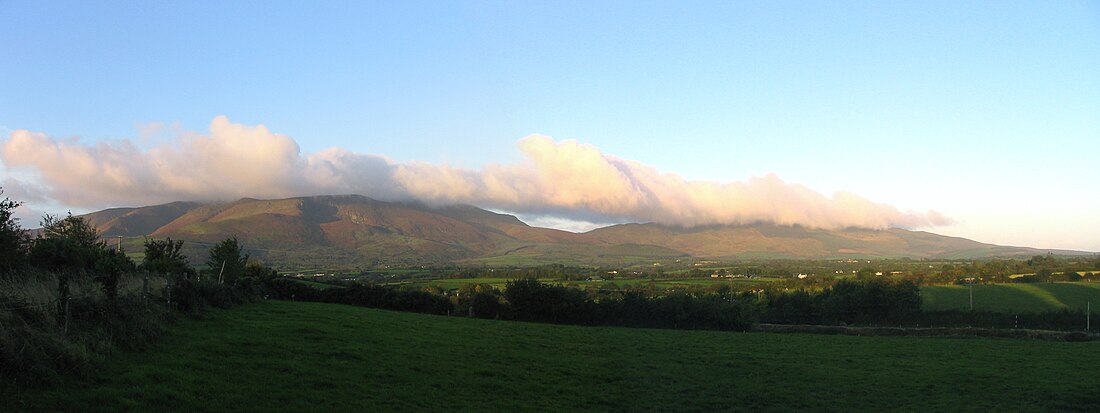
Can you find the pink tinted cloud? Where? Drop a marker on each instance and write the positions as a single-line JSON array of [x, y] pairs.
[[562, 178]]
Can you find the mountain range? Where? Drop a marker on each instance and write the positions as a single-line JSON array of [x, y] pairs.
[[357, 231]]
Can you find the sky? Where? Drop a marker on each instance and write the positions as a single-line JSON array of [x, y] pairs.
[[972, 119]]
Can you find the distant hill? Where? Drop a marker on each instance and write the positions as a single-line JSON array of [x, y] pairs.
[[137, 221], [353, 230]]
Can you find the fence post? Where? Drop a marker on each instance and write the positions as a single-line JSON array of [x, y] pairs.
[[145, 286], [63, 295], [168, 289]]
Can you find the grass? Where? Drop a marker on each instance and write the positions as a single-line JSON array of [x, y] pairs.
[[38, 345], [310, 357], [1037, 297], [499, 283], [453, 283]]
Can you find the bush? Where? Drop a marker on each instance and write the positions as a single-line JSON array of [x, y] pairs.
[[193, 297], [287, 289], [38, 347], [372, 296], [13, 240], [485, 305], [530, 300], [33, 353], [127, 322]]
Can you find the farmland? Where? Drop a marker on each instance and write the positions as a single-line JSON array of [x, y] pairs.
[[1030, 297], [499, 283], [1023, 297], [284, 356], [1037, 297]]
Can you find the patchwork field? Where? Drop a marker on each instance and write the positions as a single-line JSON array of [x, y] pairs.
[[285, 356]]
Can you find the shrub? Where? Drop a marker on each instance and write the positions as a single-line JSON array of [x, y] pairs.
[[35, 348], [485, 305]]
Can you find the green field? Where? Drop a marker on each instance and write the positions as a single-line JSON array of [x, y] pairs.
[[1037, 297], [285, 356], [499, 283], [453, 283]]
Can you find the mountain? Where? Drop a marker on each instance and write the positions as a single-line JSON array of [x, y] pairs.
[[137, 221], [354, 231]]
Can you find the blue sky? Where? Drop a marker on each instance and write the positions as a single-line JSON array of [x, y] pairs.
[[987, 112]]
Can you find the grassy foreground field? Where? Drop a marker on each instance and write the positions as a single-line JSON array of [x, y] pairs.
[[284, 356], [1037, 297]]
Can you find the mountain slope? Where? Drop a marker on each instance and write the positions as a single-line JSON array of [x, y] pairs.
[[132, 222], [352, 230]]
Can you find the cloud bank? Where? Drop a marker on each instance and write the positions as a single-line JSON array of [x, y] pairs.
[[557, 178]]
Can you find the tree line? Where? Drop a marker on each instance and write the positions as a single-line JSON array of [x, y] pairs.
[[855, 301], [67, 297]]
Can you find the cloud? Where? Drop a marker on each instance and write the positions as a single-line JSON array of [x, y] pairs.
[[564, 179]]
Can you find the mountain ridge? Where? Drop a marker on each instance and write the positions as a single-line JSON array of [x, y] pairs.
[[360, 231]]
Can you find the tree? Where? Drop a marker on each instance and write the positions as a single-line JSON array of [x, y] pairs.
[[69, 243], [484, 305], [1044, 274], [226, 261], [871, 299], [865, 272], [1043, 261], [76, 229], [531, 300], [165, 257], [13, 239], [72, 244], [109, 265], [260, 271], [1070, 275]]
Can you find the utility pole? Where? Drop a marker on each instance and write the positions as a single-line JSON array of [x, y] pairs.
[[731, 287], [221, 272], [119, 243], [971, 294], [1088, 315]]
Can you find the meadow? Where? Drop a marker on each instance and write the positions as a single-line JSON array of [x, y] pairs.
[[1014, 298], [454, 283], [679, 282], [290, 356]]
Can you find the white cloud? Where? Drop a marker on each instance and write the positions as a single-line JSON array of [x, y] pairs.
[[566, 179]]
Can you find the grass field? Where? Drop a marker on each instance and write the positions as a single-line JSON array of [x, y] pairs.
[[660, 283], [452, 283], [302, 357], [1037, 297]]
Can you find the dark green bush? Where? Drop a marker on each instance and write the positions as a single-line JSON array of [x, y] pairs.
[[485, 305], [34, 353]]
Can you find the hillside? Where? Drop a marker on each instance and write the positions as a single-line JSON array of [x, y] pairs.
[[130, 222], [306, 357], [358, 231]]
